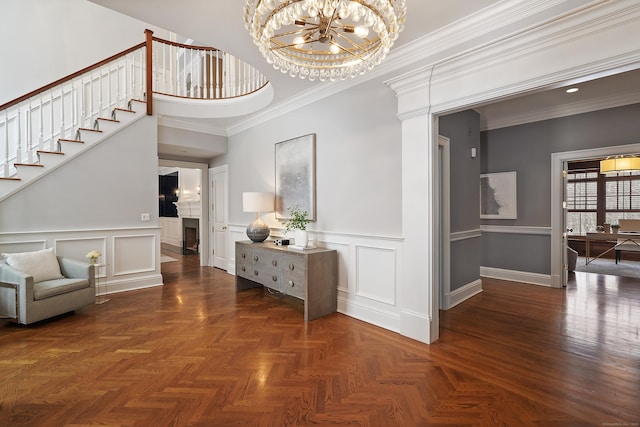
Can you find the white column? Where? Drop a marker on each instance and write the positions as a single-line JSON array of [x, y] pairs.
[[419, 304]]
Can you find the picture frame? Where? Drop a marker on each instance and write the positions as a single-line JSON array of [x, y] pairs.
[[498, 195], [295, 180]]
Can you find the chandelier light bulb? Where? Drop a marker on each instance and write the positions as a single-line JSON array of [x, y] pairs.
[[349, 37]]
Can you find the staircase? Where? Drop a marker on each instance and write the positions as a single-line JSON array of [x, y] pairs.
[[46, 128], [69, 148]]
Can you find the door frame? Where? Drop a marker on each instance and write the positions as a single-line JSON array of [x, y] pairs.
[[204, 201], [558, 219], [444, 188]]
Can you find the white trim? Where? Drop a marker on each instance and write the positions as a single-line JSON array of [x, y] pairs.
[[516, 229], [465, 235], [516, 276], [463, 293], [444, 184]]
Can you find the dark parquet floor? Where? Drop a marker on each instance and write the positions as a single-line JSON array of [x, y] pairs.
[[196, 353]]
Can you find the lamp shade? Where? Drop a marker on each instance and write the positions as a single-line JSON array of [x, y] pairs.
[[619, 164], [254, 201]]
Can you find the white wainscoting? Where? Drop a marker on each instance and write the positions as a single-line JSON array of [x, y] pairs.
[[171, 231], [131, 255], [369, 286]]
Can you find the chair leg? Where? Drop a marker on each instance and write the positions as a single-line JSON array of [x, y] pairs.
[[617, 256]]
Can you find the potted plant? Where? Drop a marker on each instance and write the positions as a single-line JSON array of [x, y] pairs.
[[615, 228], [298, 223]]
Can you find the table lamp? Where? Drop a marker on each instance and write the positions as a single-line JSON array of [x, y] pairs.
[[257, 202]]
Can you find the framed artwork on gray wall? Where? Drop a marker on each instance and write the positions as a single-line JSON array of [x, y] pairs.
[[296, 176], [498, 195]]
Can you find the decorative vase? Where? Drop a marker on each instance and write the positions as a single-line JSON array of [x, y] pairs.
[[302, 238], [93, 261]]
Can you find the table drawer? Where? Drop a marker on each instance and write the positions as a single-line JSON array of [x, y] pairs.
[[265, 258], [293, 284], [265, 276]]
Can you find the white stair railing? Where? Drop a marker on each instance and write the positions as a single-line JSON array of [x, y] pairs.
[[199, 72], [38, 120]]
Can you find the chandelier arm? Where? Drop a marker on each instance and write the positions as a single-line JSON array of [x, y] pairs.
[[277, 46], [368, 46], [333, 17]]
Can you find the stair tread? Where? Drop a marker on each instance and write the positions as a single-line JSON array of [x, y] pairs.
[[108, 120], [29, 164], [89, 129], [124, 109], [70, 140], [10, 178], [49, 152]]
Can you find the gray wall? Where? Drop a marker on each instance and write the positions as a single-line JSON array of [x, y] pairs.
[[463, 131], [358, 161], [107, 186], [527, 150]]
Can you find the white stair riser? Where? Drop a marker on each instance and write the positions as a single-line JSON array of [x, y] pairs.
[[27, 173], [125, 116], [50, 160], [107, 126], [71, 148]]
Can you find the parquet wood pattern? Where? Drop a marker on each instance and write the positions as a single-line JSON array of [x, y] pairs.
[[196, 353]]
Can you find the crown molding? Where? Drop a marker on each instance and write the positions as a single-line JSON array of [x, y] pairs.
[[431, 48], [564, 110]]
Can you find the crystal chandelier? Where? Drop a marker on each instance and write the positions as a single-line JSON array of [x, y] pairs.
[[324, 39]]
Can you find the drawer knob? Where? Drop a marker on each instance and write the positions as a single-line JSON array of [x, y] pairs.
[[243, 268], [291, 283], [274, 262], [244, 255], [291, 267], [255, 258], [255, 272], [274, 278]]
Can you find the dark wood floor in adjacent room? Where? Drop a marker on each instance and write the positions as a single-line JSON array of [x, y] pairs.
[[196, 353]]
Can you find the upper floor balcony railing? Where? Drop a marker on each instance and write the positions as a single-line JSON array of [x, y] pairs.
[[38, 120]]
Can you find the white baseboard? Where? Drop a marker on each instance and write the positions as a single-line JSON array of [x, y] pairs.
[[517, 276], [462, 294], [116, 286]]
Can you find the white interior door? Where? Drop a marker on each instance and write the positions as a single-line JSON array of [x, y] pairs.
[[219, 216]]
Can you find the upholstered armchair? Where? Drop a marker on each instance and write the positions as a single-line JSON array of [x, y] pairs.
[[38, 285]]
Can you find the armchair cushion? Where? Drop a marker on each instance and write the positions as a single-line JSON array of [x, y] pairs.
[[50, 288], [41, 265]]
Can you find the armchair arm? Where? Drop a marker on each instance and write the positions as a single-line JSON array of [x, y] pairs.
[[75, 269], [10, 275]]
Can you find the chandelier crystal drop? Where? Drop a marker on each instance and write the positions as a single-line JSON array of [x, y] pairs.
[[324, 39]]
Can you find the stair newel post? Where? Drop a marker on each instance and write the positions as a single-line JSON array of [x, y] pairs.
[[149, 89]]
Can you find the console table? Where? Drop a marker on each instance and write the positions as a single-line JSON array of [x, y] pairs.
[[310, 275]]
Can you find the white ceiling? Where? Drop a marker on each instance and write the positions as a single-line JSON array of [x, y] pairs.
[[219, 23]]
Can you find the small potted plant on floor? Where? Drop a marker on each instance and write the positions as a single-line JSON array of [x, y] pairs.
[[298, 223]]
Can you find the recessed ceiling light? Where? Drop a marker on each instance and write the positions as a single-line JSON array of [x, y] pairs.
[[572, 90]]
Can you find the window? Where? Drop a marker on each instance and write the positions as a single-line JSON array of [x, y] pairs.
[[595, 199]]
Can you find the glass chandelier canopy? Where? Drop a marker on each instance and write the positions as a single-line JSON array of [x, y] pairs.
[[324, 39]]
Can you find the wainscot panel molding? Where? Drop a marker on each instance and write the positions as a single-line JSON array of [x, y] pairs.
[[465, 235], [516, 276], [463, 293], [131, 255], [369, 285], [134, 254], [26, 246], [171, 231], [516, 229]]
